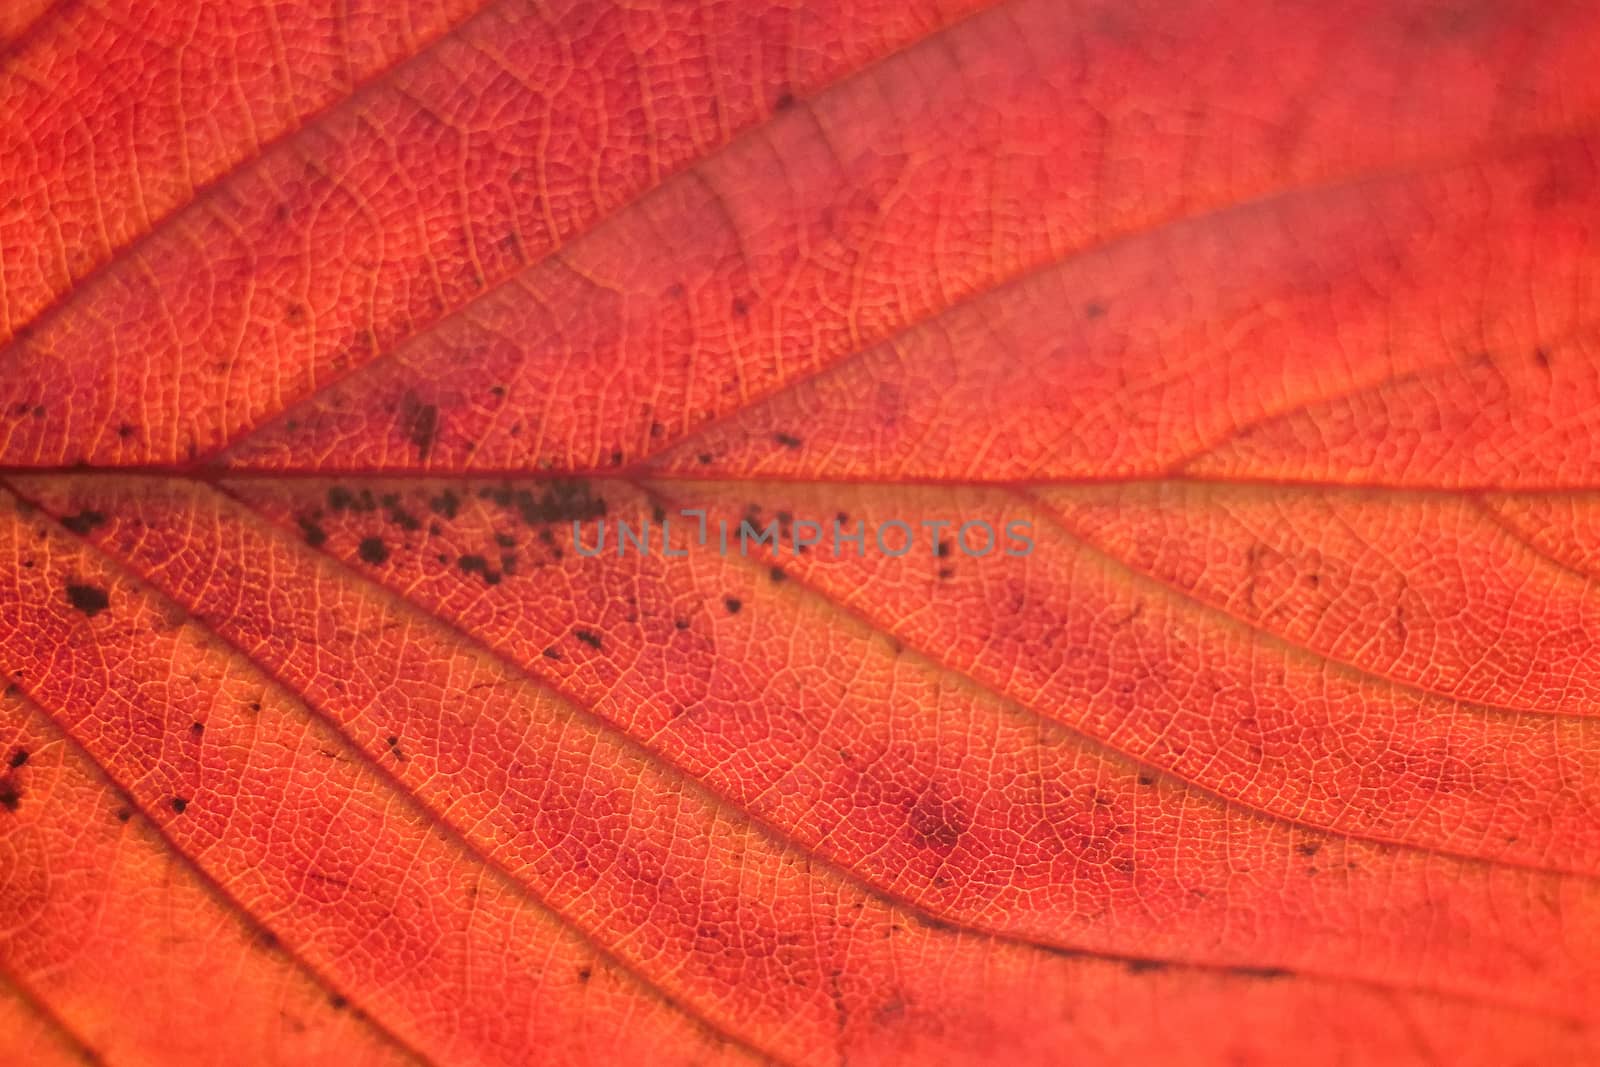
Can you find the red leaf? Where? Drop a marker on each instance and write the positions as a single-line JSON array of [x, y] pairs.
[[1225, 372]]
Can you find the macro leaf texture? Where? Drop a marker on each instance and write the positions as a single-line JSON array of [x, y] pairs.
[[331, 330]]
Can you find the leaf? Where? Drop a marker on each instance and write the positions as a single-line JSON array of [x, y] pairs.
[[1271, 331]]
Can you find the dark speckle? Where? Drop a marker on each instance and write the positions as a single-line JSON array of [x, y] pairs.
[[421, 423], [404, 519], [18, 758], [337, 1002], [704, 457], [786, 440], [179, 803], [777, 574], [1146, 779], [84, 521], [475, 564], [584, 974], [315, 535], [89, 599], [1542, 357], [1094, 310], [340, 498], [569, 500], [740, 308], [197, 727], [373, 550], [682, 624], [588, 637], [10, 799], [1145, 966], [733, 604], [1308, 848], [1264, 973], [125, 431], [124, 814], [446, 504], [784, 101]]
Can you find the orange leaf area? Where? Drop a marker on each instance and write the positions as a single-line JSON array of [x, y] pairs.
[[1261, 342]]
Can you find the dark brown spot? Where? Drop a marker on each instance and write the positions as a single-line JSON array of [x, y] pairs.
[[786, 440], [179, 803], [446, 504], [84, 521], [733, 604], [373, 550], [404, 519], [89, 599], [476, 564], [569, 500], [18, 758], [315, 535], [588, 637]]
